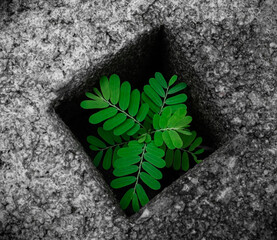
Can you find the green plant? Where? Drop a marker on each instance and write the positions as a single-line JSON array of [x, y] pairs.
[[141, 133]]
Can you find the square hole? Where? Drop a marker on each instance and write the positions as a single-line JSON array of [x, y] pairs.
[[152, 52]]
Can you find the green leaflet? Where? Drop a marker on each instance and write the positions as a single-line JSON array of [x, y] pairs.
[[156, 121], [107, 136], [164, 118], [133, 130], [157, 87], [135, 203], [177, 88], [160, 79], [114, 88], [119, 172], [96, 142], [150, 92], [152, 105], [114, 121], [97, 93], [150, 181], [167, 140], [125, 94], [124, 127], [91, 104], [195, 144], [97, 158], [134, 102], [169, 158], [92, 96], [142, 196], [158, 139], [154, 160], [131, 150], [181, 98], [126, 161], [185, 161], [199, 151], [177, 160], [122, 182], [107, 162], [102, 115], [152, 171], [142, 112], [105, 88], [151, 148], [175, 139], [172, 80], [126, 199], [188, 139]]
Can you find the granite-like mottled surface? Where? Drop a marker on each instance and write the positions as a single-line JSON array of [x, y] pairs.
[[48, 187]]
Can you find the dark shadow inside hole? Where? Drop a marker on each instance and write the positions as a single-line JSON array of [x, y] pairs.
[[136, 63]]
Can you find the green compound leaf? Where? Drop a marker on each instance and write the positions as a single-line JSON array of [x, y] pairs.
[[150, 181], [142, 196], [107, 136], [126, 161], [125, 94], [114, 88], [181, 98], [105, 88], [172, 80], [169, 158], [177, 88], [195, 144], [167, 140], [152, 171], [97, 158], [158, 139], [185, 161], [157, 87], [134, 102], [161, 79], [135, 203], [175, 139], [122, 182], [154, 160], [142, 112], [126, 199], [124, 127], [96, 142], [154, 108], [91, 104], [177, 160], [107, 162], [102, 115], [114, 121], [150, 92], [120, 172]]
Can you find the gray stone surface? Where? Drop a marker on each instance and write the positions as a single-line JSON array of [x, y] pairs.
[[227, 53]]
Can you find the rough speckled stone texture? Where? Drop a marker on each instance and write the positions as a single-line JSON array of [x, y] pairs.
[[227, 53]]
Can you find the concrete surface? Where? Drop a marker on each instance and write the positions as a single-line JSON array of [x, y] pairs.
[[227, 53]]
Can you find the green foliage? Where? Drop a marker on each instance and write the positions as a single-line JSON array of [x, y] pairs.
[[141, 133]]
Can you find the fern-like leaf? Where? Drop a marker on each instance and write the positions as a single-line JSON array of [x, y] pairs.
[[121, 111], [141, 161]]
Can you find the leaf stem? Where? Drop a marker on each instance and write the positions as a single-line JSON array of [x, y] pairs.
[[164, 100], [141, 160], [120, 110]]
